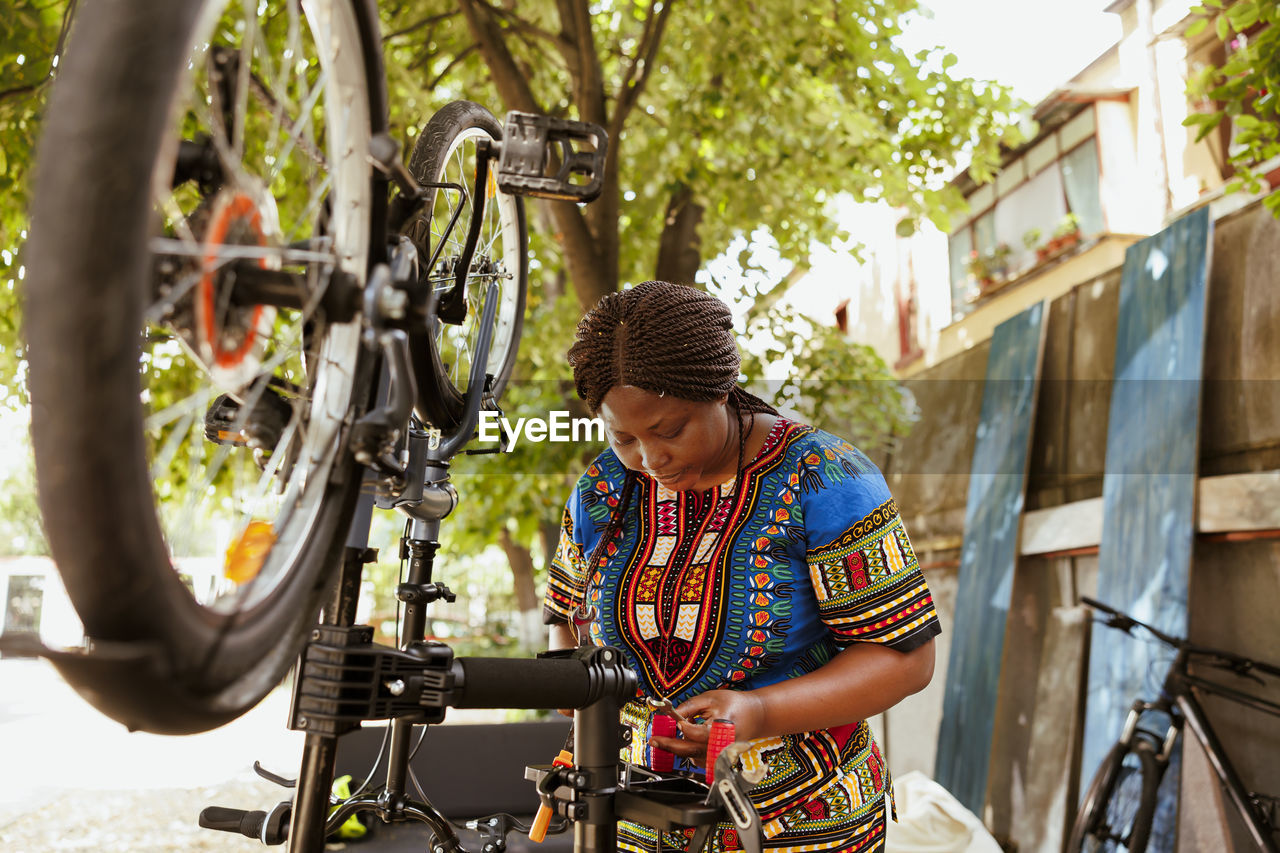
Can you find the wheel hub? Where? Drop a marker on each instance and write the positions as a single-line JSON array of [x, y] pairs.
[[231, 336]]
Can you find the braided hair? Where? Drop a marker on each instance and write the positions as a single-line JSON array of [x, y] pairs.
[[667, 339], [663, 338]]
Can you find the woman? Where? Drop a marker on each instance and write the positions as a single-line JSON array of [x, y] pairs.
[[752, 568]]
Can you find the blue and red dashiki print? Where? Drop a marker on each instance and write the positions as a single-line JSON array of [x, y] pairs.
[[760, 579]]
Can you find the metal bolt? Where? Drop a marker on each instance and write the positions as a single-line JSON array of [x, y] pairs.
[[396, 687], [315, 635], [606, 656], [493, 821], [392, 302], [302, 722]]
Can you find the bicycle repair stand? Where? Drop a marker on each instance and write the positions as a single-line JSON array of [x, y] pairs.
[[344, 678]]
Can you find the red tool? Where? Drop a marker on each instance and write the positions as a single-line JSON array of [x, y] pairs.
[[660, 759], [722, 734]]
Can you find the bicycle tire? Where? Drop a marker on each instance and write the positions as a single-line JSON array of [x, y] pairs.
[[444, 151], [1121, 799], [101, 325]]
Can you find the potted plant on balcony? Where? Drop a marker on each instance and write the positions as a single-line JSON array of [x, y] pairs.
[[1000, 261], [1067, 234], [979, 268], [990, 267], [1031, 239]]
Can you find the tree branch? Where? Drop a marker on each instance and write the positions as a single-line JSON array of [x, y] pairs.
[[429, 21], [512, 85], [641, 64], [519, 24], [20, 90], [463, 54], [583, 60], [587, 268]]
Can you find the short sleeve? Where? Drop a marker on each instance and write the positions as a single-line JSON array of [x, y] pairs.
[[586, 514], [568, 568], [865, 575]]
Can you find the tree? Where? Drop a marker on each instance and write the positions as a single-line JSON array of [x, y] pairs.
[[31, 36], [725, 119], [1243, 87], [722, 117]]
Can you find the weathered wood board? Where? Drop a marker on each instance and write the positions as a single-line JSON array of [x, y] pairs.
[[997, 483], [1149, 489]]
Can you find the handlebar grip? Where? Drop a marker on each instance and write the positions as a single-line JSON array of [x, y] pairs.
[[233, 820], [522, 683], [576, 679]]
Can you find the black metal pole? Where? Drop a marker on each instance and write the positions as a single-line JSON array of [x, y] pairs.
[[597, 739], [421, 562], [320, 751]]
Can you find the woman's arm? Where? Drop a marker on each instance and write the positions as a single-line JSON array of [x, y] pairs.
[[861, 681], [562, 637]]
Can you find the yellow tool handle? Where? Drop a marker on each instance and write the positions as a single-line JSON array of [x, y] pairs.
[[538, 831]]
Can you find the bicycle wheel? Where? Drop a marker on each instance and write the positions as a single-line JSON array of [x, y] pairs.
[[446, 153], [199, 160], [1120, 802]]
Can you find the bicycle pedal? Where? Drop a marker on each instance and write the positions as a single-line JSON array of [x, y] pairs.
[[263, 427], [528, 154]]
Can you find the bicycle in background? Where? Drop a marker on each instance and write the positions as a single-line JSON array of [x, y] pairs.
[[1119, 805]]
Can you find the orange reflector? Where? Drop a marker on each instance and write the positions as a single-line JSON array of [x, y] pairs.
[[491, 190], [247, 554]]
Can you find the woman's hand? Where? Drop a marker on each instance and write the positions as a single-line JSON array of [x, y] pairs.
[[742, 707]]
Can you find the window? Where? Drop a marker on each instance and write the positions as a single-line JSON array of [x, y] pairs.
[[1032, 198], [1080, 177]]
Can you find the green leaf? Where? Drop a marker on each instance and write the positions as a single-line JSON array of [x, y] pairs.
[[1243, 15], [1197, 26], [1223, 27]]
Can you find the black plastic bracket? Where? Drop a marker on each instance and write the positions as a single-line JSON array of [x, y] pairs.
[[346, 678]]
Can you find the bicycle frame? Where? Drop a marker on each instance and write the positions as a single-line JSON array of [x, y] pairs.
[[1181, 686], [1179, 700]]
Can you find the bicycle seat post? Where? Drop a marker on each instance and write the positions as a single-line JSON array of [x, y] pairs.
[[417, 592]]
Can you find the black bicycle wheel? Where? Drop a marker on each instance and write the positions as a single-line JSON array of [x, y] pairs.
[[190, 442], [1121, 801], [446, 153]]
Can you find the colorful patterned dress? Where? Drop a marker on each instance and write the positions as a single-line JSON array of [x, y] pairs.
[[752, 582]]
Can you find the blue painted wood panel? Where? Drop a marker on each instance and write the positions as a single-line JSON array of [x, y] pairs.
[[1149, 489], [993, 512]]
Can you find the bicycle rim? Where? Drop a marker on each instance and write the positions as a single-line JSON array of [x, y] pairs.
[[241, 450], [1120, 816], [446, 153], [237, 408]]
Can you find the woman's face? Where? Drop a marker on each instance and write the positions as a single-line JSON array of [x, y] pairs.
[[682, 444]]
